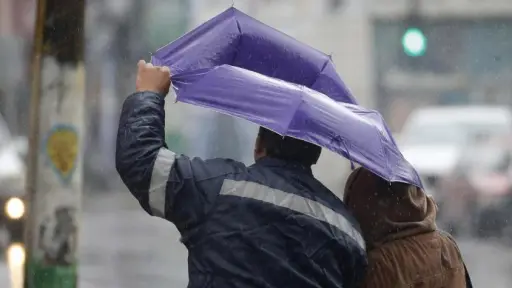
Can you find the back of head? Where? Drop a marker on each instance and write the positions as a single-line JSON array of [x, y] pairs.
[[288, 148], [388, 211]]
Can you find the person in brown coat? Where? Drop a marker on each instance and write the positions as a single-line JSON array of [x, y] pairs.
[[405, 249]]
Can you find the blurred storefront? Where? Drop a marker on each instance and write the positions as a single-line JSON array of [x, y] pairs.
[[466, 57], [16, 27]]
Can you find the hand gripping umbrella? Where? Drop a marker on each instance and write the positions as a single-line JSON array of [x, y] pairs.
[[286, 107], [236, 39]]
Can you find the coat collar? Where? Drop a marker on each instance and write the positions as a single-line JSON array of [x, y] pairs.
[[279, 163]]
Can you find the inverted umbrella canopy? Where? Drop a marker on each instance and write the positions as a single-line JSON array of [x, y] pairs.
[[238, 66], [358, 134], [236, 39]]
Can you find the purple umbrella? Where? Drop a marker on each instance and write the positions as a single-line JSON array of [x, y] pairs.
[[241, 67], [358, 134], [236, 39]]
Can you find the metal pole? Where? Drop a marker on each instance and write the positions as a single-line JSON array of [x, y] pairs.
[[54, 182]]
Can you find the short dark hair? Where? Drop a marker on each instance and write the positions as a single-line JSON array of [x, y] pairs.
[[288, 148]]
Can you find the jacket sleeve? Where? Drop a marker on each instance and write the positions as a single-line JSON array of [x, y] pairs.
[[170, 186]]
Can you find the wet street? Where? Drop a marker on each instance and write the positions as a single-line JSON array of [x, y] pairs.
[[123, 247]]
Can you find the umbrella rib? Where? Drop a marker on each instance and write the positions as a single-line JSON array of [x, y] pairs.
[[321, 70], [348, 152], [297, 105], [240, 34]]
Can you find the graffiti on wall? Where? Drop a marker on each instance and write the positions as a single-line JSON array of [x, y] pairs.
[[61, 150]]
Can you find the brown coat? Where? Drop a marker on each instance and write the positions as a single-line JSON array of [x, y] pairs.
[[405, 249]]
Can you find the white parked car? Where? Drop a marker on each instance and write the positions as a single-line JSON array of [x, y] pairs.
[[433, 138]]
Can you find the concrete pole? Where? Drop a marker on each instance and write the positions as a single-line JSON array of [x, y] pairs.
[[54, 182]]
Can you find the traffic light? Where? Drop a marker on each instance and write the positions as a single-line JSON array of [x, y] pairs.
[[414, 42]]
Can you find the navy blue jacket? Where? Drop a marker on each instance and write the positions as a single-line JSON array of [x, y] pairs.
[[269, 225]]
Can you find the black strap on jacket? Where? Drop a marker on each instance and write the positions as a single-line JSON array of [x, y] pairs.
[[468, 278]]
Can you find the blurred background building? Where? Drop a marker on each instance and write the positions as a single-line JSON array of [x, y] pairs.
[[459, 55], [397, 56], [462, 58], [16, 26]]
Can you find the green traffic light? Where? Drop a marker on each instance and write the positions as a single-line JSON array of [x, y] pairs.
[[414, 42]]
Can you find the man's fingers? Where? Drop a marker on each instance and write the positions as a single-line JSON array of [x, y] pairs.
[[144, 65], [166, 69], [141, 64]]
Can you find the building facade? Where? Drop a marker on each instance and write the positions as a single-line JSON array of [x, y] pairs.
[[467, 58]]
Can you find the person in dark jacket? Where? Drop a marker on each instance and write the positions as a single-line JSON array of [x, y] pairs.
[[271, 224]]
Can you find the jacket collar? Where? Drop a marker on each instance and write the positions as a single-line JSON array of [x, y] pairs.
[[283, 164]]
